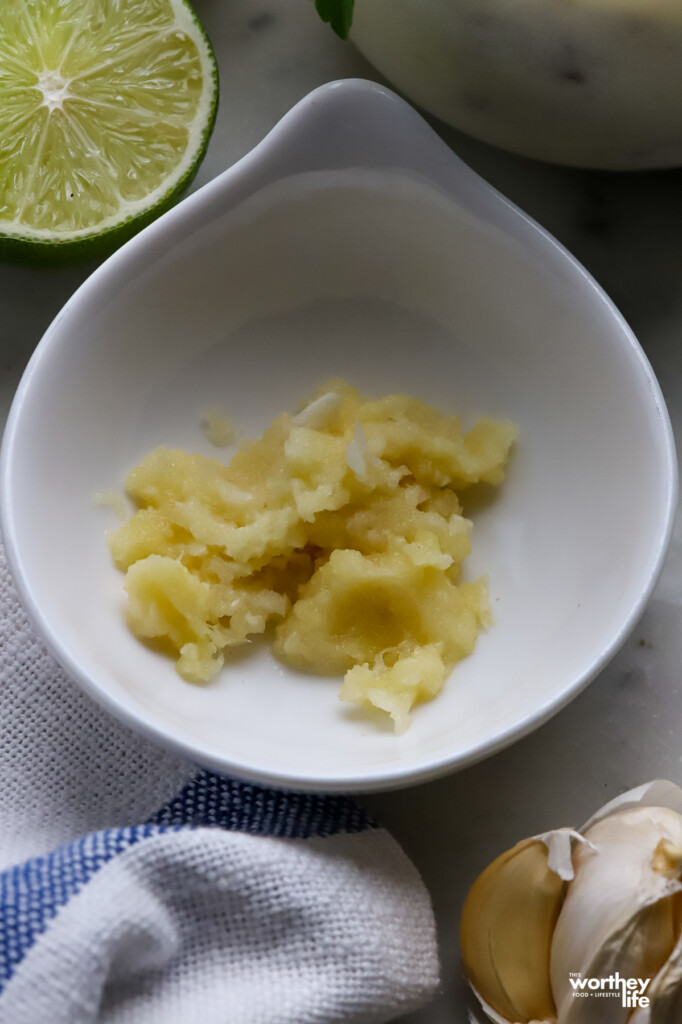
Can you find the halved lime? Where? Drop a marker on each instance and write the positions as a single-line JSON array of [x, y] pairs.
[[106, 109]]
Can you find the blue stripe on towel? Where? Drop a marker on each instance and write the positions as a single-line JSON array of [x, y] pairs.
[[32, 893], [211, 800]]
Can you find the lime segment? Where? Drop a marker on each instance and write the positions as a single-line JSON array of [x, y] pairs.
[[106, 108]]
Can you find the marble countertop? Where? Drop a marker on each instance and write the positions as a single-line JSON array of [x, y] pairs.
[[625, 729]]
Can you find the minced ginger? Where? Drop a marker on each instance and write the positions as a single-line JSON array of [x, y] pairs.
[[340, 525]]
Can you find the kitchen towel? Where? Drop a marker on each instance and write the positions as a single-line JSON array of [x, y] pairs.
[[135, 889]]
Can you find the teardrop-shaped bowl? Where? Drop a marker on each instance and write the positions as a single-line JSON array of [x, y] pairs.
[[351, 242]]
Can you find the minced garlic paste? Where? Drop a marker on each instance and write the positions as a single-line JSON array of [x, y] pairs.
[[341, 526]]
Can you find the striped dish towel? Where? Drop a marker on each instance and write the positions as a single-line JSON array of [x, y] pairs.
[[231, 904]]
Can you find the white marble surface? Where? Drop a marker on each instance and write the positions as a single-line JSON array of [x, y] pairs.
[[626, 728]]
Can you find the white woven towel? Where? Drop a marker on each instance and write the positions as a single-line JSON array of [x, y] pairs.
[[136, 890]]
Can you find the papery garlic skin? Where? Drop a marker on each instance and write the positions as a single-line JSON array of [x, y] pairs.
[[618, 915], [659, 793], [481, 1012]]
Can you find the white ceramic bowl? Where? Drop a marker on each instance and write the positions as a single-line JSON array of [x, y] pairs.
[[351, 242]]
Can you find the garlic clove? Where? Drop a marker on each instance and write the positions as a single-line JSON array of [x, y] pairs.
[[665, 994], [619, 912], [506, 934], [633, 951]]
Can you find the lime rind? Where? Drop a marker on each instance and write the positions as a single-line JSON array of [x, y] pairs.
[[43, 246]]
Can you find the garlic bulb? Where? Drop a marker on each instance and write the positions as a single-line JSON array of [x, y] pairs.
[[584, 928]]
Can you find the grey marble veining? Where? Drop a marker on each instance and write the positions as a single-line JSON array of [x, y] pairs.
[[627, 727]]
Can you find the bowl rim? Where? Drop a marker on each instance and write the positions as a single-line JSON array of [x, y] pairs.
[[258, 167]]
